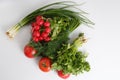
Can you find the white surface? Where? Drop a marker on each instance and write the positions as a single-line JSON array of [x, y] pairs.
[[103, 45]]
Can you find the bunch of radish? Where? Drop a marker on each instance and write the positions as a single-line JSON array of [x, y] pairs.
[[41, 29]]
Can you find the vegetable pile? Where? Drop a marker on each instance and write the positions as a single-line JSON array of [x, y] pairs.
[[50, 29]]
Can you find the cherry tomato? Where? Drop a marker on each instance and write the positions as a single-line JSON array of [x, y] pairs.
[[29, 51], [47, 24], [62, 75], [45, 64]]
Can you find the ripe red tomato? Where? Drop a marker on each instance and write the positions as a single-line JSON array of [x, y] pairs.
[[62, 75], [29, 51], [45, 64]]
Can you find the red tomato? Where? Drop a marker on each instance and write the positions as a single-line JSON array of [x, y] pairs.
[[62, 75], [45, 64], [29, 51]]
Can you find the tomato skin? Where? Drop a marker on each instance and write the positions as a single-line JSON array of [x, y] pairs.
[[62, 75], [29, 51], [45, 64]]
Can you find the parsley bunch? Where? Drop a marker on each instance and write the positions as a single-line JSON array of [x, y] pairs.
[[70, 60]]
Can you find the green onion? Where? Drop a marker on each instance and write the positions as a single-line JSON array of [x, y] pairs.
[[60, 9]]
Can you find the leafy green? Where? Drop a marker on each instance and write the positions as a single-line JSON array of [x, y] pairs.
[[50, 49], [70, 60], [58, 25]]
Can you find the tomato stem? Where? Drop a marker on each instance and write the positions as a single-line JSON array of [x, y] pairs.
[[44, 64]]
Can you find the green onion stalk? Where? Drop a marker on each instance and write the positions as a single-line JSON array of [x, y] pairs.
[[57, 9]]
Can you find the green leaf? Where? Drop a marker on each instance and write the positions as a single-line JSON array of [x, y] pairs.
[[70, 60]]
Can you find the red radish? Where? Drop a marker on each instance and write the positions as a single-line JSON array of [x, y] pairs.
[[40, 22], [47, 30], [40, 38], [34, 24], [47, 24], [38, 17], [35, 39], [47, 39], [44, 35], [37, 27], [32, 29], [36, 34]]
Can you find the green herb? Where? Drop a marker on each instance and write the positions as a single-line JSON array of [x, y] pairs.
[[70, 60], [50, 49], [58, 25]]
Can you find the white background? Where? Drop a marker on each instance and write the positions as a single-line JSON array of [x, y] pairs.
[[103, 44]]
